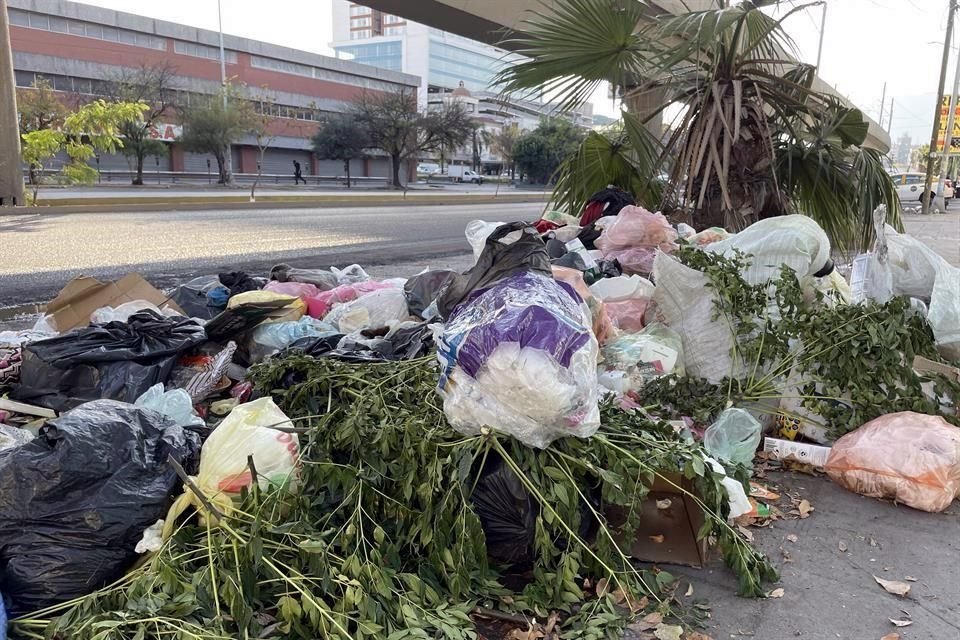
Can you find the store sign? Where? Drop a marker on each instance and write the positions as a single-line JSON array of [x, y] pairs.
[[166, 132], [942, 131]]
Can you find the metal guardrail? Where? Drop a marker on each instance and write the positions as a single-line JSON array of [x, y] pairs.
[[202, 177]]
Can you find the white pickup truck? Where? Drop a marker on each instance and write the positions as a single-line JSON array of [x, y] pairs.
[[459, 173]]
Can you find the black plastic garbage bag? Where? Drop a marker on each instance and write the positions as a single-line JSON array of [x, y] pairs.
[[238, 282], [75, 501], [497, 261], [193, 297], [116, 361], [405, 342], [421, 290]]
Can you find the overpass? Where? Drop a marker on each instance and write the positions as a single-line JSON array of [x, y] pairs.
[[488, 20]]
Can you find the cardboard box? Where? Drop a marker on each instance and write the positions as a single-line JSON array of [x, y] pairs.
[[923, 366], [799, 451], [678, 524], [83, 295]]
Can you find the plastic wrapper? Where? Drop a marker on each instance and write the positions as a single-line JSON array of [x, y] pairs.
[[603, 329], [736, 496], [251, 429], [321, 279], [118, 361], [321, 304], [501, 258], [11, 359], [247, 310], [378, 310], [630, 360], [628, 315], [908, 457], [733, 437], [520, 358], [944, 312], [422, 291], [268, 339], [11, 437], [352, 274], [239, 282], [122, 313], [175, 404], [300, 290], [685, 302], [871, 279], [634, 237], [209, 374], [152, 539], [75, 501]]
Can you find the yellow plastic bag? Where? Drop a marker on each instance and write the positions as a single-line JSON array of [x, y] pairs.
[[291, 312], [249, 430]]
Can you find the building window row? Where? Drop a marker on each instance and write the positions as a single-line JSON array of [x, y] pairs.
[[67, 84], [360, 22], [362, 34], [359, 10], [389, 18], [197, 50], [393, 31], [83, 29]]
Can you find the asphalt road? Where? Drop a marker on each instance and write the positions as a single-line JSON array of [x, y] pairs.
[[41, 252]]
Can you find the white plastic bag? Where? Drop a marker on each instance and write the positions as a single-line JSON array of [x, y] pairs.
[[944, 312], [685, 303], [350, 275], [520, 358], [251, 429], [913, 265], [122, 313], [632, 359], [622, 288], [175, 404], [380, 309], [11, 437], [736, 496], [871, 279], [477, 232]]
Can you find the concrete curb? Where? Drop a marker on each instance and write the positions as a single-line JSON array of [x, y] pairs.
[[154, 204]]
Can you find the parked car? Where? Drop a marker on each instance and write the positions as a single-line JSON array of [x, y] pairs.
[[427, 169], [909, 188], [459, 173]]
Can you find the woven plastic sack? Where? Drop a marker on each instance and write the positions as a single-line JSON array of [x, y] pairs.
[[686, 303], [634, 237], [733, 437], [944, 312], [913, 265], [908, 457], [520, 358], [251, 429]]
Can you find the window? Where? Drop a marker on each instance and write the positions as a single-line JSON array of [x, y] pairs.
[[393, 31], [24, 78], [83, 29], [357, 10], [391, 19], [282, 66], [385, 55], [360, 22], [62, 83], [202, 51], [913, 178], [360, 35]]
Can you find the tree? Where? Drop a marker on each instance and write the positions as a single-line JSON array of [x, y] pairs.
[[93, 127], [540, 152], [261, 120], [751, 138], [151, 85], [341, 137], [393, 125], [39, 109], [212, 123], [502, 143]]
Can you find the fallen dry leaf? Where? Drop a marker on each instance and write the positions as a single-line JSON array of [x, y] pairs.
[[891, 636], [873, 542], [842, 546], [664, 504], [786, 555], [647, 622], [689, 591], [668, 632], [776, 593], [657, 539], [602, 585], [909, 578], [746, 533], [533, 633], [792, 537], [892, 586], [804, 508], [900, 623], [696, 635], [551, 623]]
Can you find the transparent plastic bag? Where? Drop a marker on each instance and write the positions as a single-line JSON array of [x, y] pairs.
[[378, 310], [268, 339], [320, 305], [913, 265], [908, 457], [630, 360], [350, 275], [622, 288], [634, 237], [175, 404], [122, 313], [13, 436], [734, 436], [251, 429], [520, 358], [477, 232], [300, 290]]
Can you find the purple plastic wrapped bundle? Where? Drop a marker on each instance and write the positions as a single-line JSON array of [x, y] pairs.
[[519, 357]]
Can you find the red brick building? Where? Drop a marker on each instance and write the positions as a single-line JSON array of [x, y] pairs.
[[79, 48]]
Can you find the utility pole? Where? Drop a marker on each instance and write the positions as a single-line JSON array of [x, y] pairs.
[[948, 136], [890, 118], [11, 175], [936, 118], [883, 103], [228, 160], [823, 24]]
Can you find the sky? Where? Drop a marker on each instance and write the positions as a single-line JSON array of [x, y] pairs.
[[866, 43]]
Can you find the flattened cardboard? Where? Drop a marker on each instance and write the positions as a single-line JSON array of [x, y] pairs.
[[923, 366], [678, 524], [83, 295]]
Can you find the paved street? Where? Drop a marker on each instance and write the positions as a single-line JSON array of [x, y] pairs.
[[43, 251]]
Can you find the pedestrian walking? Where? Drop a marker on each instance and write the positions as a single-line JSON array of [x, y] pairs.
[[297, 173]]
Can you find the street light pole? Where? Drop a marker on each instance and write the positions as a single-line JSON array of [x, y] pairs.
[[936, 118], [11, 175], [228, 159], [823, 24]]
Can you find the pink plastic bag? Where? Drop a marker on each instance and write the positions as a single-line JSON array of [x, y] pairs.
[[300, 290], [628, 315], [320, 305], [908, 457], [634, 237]]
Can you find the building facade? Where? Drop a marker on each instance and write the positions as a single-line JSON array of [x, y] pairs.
[[80, 49], [444, 62]]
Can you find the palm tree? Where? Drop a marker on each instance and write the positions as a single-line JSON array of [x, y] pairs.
[[749, 137]]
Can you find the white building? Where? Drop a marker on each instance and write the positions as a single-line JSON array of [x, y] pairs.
[[442, 60]]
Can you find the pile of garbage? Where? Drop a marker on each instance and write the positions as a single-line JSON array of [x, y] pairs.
[[317, 453]]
